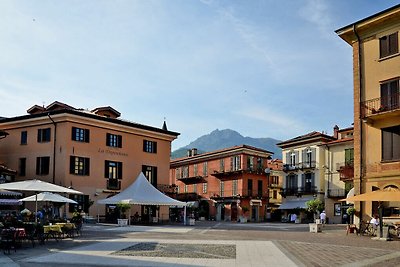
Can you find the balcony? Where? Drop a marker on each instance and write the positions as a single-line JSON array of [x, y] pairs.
[[274, 186], [227, 175], [290, 167], [229, 194], [192, 179], [308, 165], [113, 184], [336, 193], [381, 108], [345, 170], [299, 191]]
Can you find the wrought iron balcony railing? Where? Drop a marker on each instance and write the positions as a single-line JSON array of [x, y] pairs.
[[113, 184], [380, 104], [290, 167], [308, 165], [298, 191]]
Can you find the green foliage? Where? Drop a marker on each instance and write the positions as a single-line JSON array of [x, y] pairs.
[[315, 205], [351, 211]]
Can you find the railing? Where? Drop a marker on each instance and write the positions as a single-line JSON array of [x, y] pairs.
[[290, 167], [297, 191], [346, 170], [113, 184], [336, 193], [239, 193], [380, 104], [308, 165]]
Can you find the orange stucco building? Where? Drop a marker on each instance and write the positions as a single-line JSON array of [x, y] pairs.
[[94, 151], [229, 184]]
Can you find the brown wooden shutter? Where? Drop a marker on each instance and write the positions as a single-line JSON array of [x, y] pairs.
[[393, 43], [86, 165]]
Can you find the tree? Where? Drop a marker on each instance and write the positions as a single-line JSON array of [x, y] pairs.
[[315, 205], [123, 207]]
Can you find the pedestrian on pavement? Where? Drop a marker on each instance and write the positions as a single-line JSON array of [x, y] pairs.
[[322, 217]]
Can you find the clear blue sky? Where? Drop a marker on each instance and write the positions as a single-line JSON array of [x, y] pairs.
[[262, 68]]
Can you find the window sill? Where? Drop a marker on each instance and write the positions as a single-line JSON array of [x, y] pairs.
[[388, 57], [390, 161]]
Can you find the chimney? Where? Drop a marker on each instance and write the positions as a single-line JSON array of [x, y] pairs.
[[194, 151], [335, 131], [189, 153]]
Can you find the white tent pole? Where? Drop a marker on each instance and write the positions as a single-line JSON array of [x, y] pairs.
[[36, 219], [184, 216]]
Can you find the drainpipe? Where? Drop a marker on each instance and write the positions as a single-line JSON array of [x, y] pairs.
[[54, 148], [360, 118]]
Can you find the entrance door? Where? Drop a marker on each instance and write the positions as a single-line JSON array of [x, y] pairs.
[[254, 213], [234, 211]]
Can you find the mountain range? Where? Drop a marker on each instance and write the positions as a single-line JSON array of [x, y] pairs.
[[219, 139]]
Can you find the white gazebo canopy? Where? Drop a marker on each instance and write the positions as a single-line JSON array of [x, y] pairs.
[[141, 192]]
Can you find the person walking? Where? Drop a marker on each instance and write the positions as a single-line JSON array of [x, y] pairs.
[[322, 217]]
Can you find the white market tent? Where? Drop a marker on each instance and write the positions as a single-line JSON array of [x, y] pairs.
[[141, 192]]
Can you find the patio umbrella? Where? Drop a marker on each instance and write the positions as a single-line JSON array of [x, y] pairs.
[[37, 186], [387, 194], [50, 197]]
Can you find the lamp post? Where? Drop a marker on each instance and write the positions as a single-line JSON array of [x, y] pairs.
[[268, 173]]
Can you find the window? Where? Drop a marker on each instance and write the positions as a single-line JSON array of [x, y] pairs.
[[113, 170], [391, 143], [178, 174], [22, 167], [151, 173], [204, 188], [79, 165], [221, 165], [349, 156], [42, 165], [235, 163], [274, 194], [205, 168], [259, 188], [24, 137], [185, 172], [275, 180], [44, 135], [195, 170], [185, 188], [390, 95], [149, 146], [221, 188], [194, 188], [308, 182], [249, 187], [293, 159], [388, 45], [234, 187], [250, 162], [259, 163], [80, 135], [114, 140], [291, 182]]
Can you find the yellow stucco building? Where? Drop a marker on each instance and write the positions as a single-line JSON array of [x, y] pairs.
[[376, 72]]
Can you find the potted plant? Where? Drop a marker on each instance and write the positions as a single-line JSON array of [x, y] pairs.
[[314, 206], [123, 207]]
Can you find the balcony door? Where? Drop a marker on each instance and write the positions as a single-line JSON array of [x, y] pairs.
[[390, 95]]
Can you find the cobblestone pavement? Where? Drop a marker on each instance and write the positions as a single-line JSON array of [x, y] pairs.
[[332, 247]]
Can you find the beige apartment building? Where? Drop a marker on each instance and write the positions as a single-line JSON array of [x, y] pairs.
[[376, 72], [93, 151], [314, 169], [232, 184]]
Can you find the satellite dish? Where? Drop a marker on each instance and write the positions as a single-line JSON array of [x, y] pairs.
[[267, 170]]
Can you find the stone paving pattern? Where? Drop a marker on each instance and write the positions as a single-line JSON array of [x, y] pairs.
[[267, 244]]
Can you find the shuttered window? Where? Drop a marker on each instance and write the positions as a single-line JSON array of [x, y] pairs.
[[391, 143], [113, 169], [79, 165], [113, 140], [80, 135], [388, 45]]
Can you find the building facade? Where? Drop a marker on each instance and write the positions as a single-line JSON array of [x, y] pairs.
[[339, 173], [376, 74], [231, 184], [94, 152], [311, 164]]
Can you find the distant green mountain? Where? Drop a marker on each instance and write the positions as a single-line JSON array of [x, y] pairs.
[[219, 139]]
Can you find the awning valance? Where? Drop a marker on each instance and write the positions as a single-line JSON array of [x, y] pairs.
[[10, 202]]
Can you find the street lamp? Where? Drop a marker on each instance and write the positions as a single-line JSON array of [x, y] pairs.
[[268, 173]]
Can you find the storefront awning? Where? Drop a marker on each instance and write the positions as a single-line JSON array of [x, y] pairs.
[[10, 202], [255, 202], [294, 204]]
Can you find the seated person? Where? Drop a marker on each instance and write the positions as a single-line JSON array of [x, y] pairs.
[[374, 221]]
